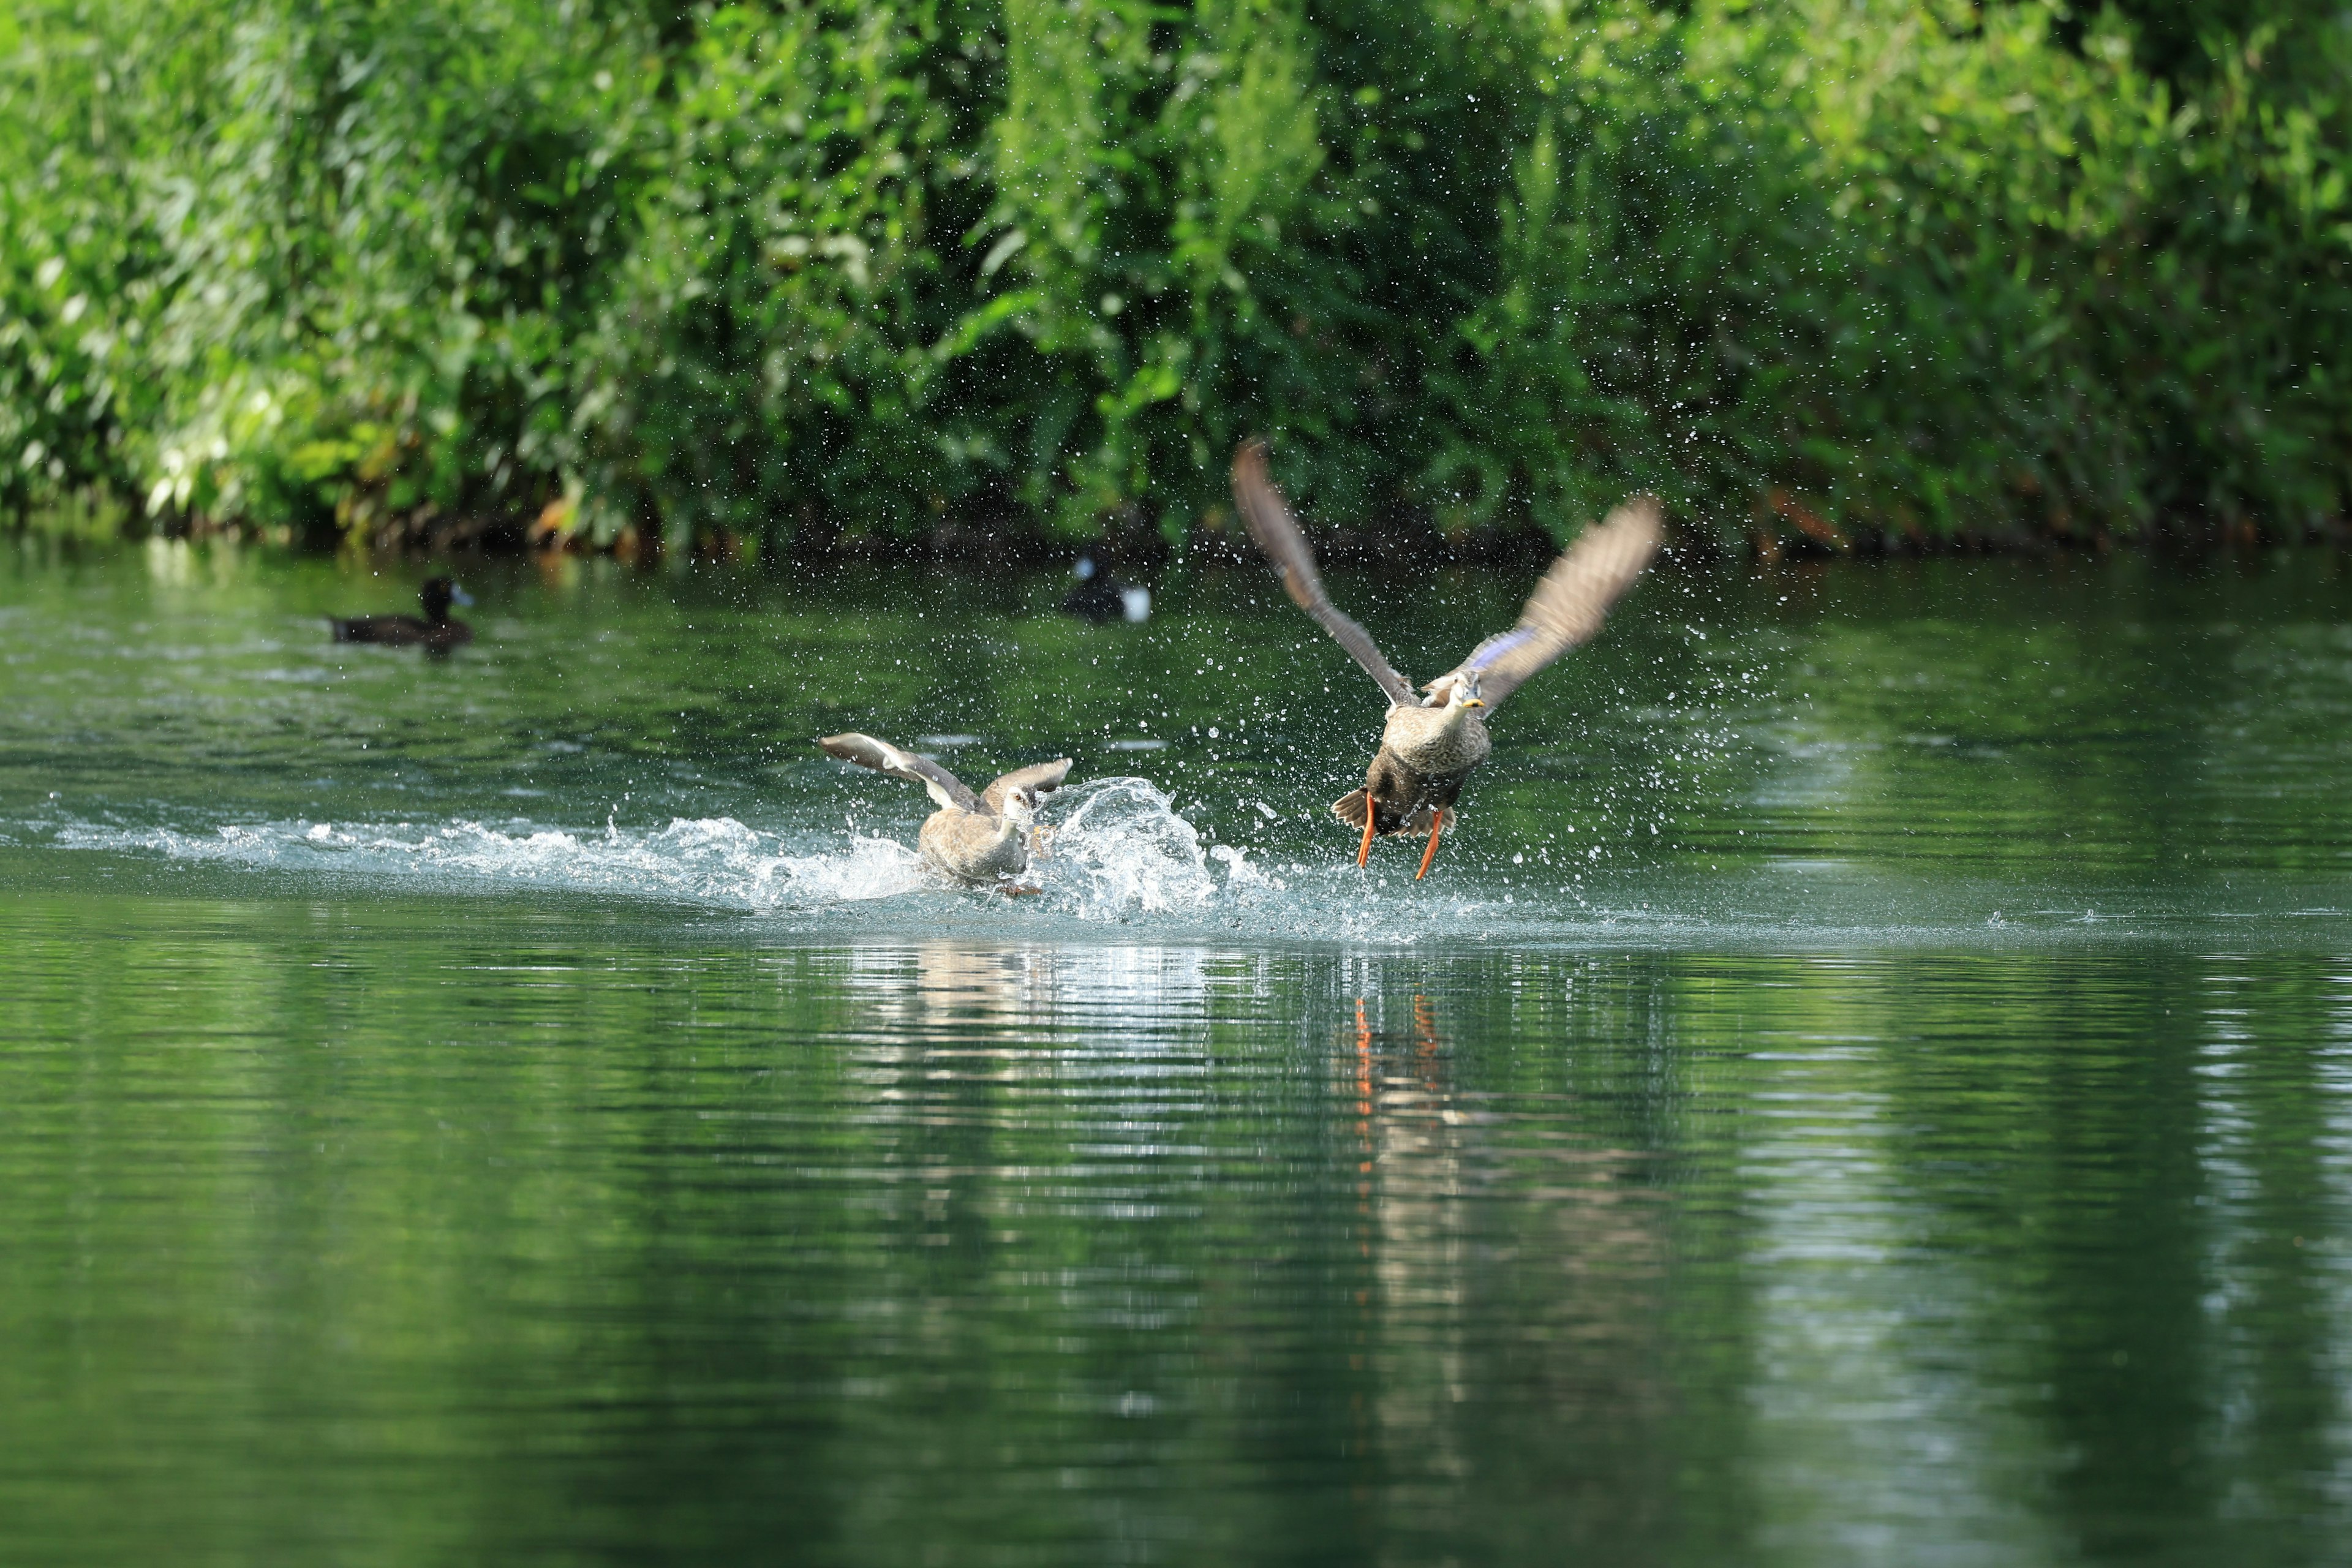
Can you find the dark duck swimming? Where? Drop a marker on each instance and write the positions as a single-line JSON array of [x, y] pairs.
[[436, 630], [1433, 739], [1101, 597]]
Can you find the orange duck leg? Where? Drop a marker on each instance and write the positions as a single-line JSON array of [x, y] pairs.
[[1430, 854]]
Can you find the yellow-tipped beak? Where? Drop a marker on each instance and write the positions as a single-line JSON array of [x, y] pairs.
[[1475, 702]]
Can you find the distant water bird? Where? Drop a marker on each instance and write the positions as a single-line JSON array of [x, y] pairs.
[[435, 631], [1430, 743], [985, 839], [1100, 597]]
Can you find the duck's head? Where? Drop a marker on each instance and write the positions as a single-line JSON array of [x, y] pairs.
[[1021, 806], [439, 595], [1021, 818], [1456, 693]]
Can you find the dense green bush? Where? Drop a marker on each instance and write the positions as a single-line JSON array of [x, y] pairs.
[[1856, 269]]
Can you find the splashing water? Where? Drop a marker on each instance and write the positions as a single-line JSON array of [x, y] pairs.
[[714, 860], [1118, 848], [1117, 853]]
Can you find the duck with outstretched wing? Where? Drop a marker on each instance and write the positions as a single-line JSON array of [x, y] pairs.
[[985, 839], [1435, 738]]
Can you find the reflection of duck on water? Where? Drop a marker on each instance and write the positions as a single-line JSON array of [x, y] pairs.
[[436, 630], [1430, 743], [984, 839], [1514, 1248], [1100, 597]]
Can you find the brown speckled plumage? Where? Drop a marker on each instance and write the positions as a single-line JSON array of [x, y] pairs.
[[1434, 739]]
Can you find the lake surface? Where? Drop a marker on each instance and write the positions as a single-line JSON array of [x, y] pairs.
[[1869, 1081]]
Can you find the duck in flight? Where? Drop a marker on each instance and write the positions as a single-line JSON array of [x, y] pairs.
[[985, 839], [437, 631], [1434, 739]]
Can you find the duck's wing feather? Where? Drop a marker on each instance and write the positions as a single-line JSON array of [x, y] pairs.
[[1276, 532], [1038, 778], [1571, 603], [885, 758]]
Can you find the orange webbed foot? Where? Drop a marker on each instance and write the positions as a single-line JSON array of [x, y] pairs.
[[1364, 850]]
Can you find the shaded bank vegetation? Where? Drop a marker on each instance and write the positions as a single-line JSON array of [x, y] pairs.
[[623, 271]]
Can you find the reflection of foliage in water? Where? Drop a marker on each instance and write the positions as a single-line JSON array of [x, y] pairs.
[[627, 1229], [1253, 1251], [1820, 267]]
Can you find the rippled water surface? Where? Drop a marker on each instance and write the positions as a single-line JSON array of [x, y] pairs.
[[1870, 1081]]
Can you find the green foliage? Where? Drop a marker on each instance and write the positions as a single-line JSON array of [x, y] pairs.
[[1850, 267], [765, 346]]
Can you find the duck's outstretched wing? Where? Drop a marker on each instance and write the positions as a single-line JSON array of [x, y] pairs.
[[1569, 605], [883, 758], [1276, 532], [1038, 778]]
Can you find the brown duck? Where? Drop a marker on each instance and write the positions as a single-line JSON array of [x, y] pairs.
[[435, 631], [1432, 741], [985, 839]]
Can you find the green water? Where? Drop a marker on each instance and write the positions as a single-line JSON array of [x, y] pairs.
[[527, 1107]]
